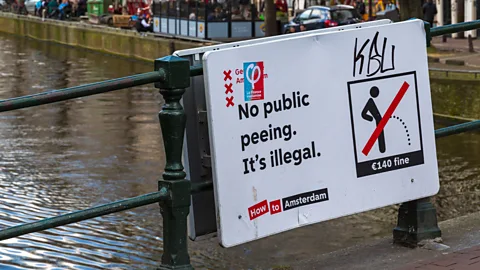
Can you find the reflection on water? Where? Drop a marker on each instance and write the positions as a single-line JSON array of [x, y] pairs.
[[84, 152], [460, 98], [458, 155]]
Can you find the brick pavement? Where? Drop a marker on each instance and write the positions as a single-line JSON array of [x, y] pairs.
[[467, 259]]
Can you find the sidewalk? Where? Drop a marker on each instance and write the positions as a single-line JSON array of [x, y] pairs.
[[460, 251], [455, 45], [466, 259], [455, 49]]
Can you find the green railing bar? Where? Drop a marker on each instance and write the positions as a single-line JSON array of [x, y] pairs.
[[203, 186], [87, 90], [456, 129], [79, 91], [454, 28], [81, 215], [94, 212], [196, 70]]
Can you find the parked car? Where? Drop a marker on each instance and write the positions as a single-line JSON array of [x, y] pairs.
[[317, 17], [393, 15]]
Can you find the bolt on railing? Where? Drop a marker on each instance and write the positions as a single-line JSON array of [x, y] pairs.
[[416, 219]]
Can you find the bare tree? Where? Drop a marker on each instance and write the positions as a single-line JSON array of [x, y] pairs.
[[410, 9]]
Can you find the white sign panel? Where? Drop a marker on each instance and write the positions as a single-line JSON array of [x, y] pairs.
[[196, 147], [340, 126]]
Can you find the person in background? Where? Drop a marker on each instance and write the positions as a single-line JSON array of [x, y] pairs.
[[281, 8], [193, 15], [390, 5], [52, 8], [44, 10], [366, 15], [379, 7], [63, 9], [217, 15], [133, 22], [244, 4], [236, 16], [360, 6], [247, 13], [38, 7], [429, 12], [81, 8], [303, 27], [137, 16], [22, 9], [144, 24]]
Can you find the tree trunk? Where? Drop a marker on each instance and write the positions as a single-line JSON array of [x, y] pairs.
[[461, 16], [270, 18], [410, 9]]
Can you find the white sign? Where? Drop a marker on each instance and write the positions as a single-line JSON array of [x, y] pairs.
[[202, 214], [312, 128]]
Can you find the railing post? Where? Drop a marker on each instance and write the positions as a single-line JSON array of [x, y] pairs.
[[427, 27], [172, 121], [417, 221], [470, 44]]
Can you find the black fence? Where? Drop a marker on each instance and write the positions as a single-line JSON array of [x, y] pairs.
[[208, 19]]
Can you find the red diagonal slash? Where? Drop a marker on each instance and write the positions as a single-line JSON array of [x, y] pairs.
[[385, 118]]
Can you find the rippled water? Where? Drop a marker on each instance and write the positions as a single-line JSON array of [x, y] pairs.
[[71, 155]]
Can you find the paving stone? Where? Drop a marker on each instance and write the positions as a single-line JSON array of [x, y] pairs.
[[467, 259]]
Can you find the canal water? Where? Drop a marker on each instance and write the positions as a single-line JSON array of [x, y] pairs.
[[80, 153]]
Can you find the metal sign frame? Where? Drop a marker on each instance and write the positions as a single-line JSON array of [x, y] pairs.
[[197, 155]]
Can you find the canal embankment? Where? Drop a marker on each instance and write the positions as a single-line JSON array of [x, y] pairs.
[[452, 55], [450, 61], [103, 39], [89, 151]]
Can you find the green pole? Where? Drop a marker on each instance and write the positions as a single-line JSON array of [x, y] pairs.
[[176, 72], [428, 36], [417, 221], [79, 91]]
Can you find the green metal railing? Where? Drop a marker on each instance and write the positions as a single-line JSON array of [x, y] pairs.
[[454, 28], [416, 219]]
